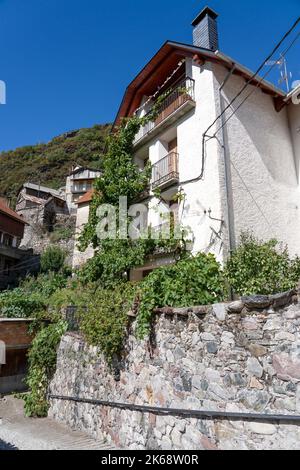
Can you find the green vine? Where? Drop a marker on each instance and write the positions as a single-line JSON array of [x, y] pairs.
[[42, 362], [114, 258], [190, 282]]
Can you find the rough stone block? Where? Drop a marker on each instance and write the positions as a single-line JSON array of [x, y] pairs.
[[263, 428], [254, 302], [220, 311], [235, 307]]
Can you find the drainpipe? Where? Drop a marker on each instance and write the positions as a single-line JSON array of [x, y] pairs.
[[230, 214]]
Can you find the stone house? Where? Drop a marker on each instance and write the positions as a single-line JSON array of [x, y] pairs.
[[14, 262], [78, 183], [235, 172], [51, 214], [82, 217], [41, 208], [40, 204]]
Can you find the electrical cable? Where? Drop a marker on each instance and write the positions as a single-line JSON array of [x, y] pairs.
[[256, 86], [206, 138], [250, 80]]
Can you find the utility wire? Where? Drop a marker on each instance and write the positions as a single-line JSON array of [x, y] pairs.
[[205, 136], [256, 73], [256, 86], [19, 267]]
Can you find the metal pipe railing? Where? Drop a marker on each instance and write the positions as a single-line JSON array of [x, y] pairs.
[[185, 413], [165, 169], [175, 97]]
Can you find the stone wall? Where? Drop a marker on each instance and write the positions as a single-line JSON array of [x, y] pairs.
[[38, 238], [213, 359]]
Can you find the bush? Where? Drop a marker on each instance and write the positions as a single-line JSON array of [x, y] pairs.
[[259, 267], [53, 259], [104, 324], [192, 281], [42, 362], [18, 304], [31, 297]]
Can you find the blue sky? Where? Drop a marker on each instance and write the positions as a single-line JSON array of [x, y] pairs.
[[66, 63]]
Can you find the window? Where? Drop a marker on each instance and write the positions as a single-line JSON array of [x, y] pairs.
[[82, 187], [8, 240]]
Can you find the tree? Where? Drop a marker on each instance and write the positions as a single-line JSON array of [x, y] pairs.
[[53, 259]]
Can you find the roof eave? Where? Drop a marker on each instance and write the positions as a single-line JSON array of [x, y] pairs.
[[208, 55]]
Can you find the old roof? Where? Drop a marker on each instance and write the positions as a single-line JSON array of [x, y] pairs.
[[36, 200], [83, 168], [166, 59], [203, 13], [43, 189], [4, 209], [87, 197]]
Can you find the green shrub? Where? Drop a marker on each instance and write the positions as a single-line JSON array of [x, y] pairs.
[[104, 324], [42, 362], [192, 281], [258, 267], [53, 259], [31, 297], [18, 304]]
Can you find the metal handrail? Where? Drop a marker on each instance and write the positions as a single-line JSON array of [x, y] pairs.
[[166, 169], [183, 91], [185, 413]]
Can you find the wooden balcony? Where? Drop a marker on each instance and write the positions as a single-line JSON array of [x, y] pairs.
[[165, 173], [179, 100]]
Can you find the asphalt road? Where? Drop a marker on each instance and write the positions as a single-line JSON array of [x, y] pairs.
[[5, 446]]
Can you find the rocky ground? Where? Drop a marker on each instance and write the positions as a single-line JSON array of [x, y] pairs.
[[18, 432]]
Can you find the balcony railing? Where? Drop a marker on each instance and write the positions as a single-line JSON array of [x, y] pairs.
[[166, 171], [183, 92]]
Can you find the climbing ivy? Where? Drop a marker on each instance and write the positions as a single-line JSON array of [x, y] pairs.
[[105, 325], [192, 281], [114, 258], [42, 362]]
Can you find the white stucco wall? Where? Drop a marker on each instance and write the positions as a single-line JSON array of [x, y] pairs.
[[264, 167], [79, 258], [263, 161], [294, 121], [202, 196]]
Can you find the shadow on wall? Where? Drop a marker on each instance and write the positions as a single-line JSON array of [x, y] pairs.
[[262, 136]]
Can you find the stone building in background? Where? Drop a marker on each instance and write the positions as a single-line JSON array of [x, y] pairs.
[[82, 217], [79, 182], [51, 214], [14, 261]]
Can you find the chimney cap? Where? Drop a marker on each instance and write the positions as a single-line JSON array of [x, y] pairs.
[[205, 12]]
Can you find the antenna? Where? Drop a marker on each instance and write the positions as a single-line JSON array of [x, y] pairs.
[[285, 76]]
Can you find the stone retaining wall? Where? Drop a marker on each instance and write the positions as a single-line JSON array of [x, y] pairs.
[[211, 359]]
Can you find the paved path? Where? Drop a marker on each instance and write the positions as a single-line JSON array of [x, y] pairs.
[[38, 434]]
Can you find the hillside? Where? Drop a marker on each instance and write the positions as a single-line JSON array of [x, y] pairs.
[[50, 163]]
